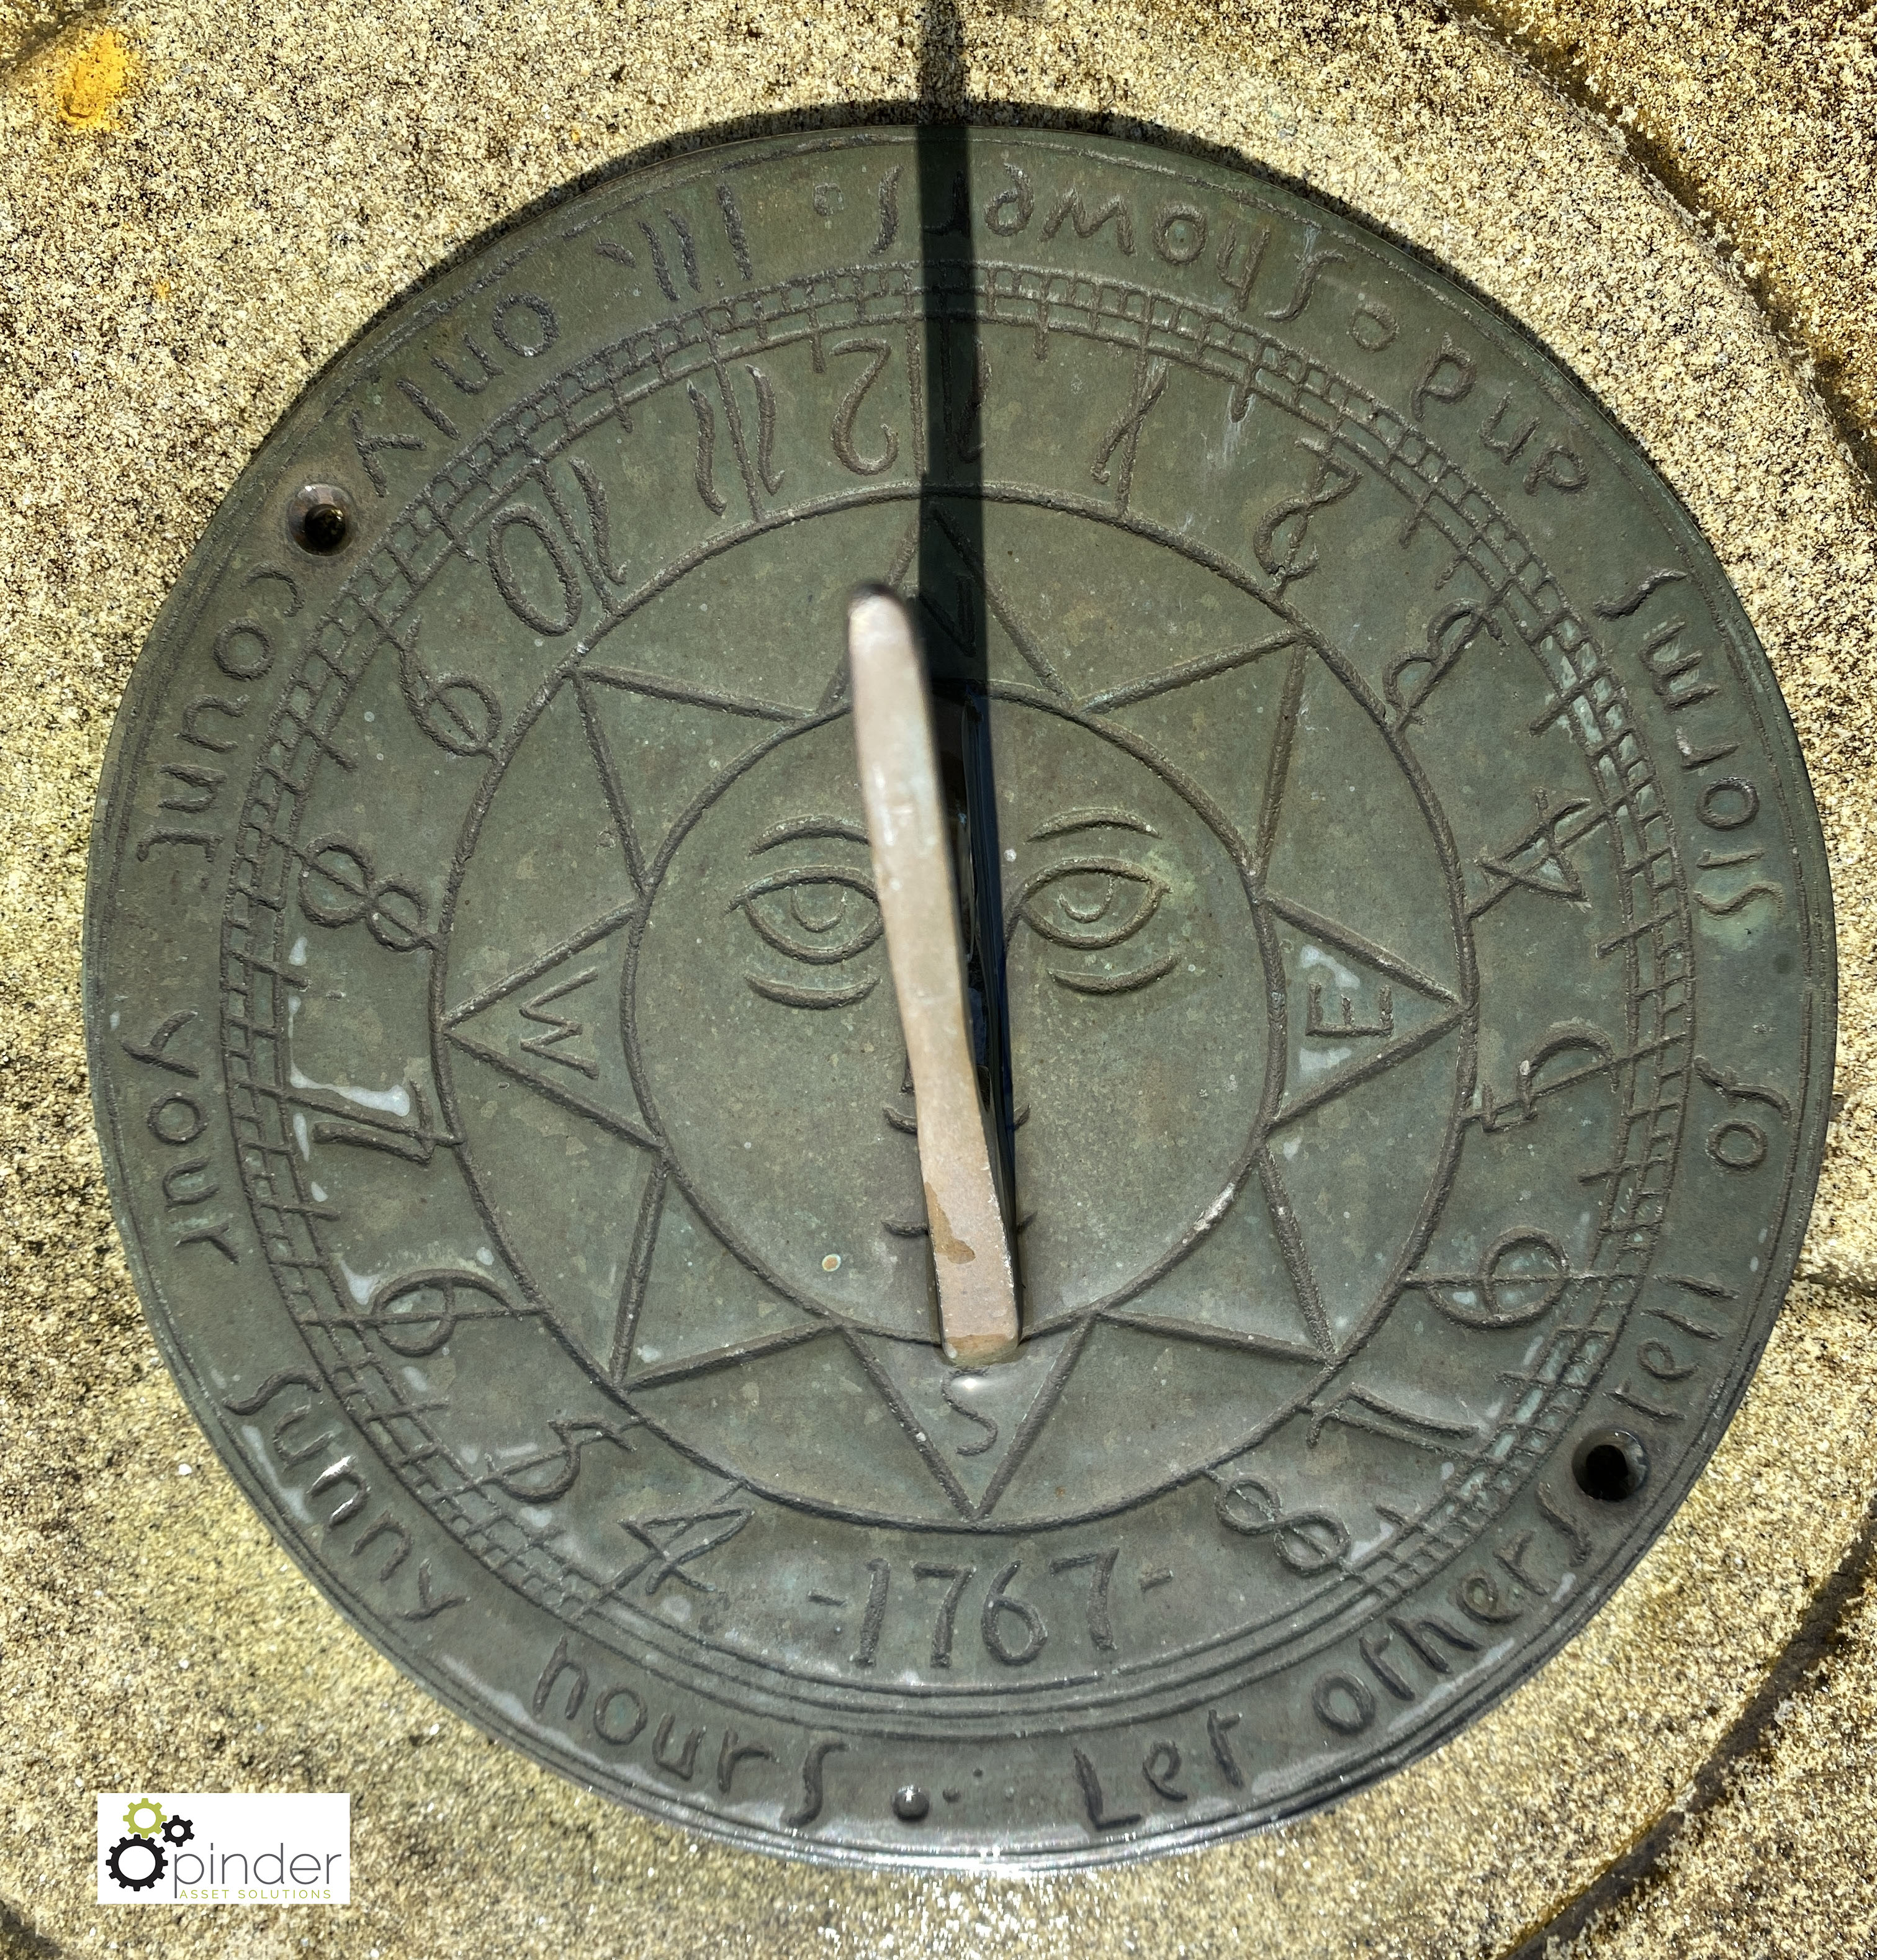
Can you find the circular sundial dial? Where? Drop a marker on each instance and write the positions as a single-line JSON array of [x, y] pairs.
[[1398, 974]]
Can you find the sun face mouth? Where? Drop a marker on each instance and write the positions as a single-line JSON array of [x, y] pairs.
[[1138, 1028]]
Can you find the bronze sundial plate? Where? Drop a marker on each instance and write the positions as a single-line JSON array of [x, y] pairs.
[[1419, 979]]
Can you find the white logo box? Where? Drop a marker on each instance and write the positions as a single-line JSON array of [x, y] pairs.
[[221, 1847]]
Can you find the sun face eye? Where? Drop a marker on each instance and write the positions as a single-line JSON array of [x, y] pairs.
[[1090, 903], [820, 914]]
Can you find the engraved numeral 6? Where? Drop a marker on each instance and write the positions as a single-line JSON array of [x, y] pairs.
[[457, 711], [1000, 1606]]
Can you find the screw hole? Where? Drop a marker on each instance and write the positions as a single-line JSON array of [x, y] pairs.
[[319, 521], [1610, 1466], [910, 1803]]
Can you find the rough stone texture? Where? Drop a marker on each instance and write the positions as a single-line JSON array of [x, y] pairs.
[[1783, 1866], [195, 215], [1758, 122]]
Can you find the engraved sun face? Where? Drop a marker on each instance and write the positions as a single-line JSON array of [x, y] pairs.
[[675, 1055], [1137, 1023]]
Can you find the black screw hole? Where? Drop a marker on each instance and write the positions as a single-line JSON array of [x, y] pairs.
[[910, 1803], [318, 520], [1610, 1466]]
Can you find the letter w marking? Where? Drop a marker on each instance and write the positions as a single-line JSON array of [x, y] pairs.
[[538, 1011]]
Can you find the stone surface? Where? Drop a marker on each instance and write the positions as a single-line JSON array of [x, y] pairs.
[[191, 228]]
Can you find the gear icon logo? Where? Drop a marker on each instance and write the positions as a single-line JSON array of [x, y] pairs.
[[138, 1849], [142, 1855]]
